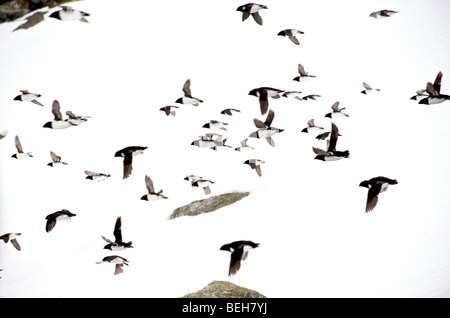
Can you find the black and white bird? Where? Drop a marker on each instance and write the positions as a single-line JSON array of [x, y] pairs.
[[203, 183], [20, 154], [239, 252], [96, 176], [253, 10], [311, 127], [56, 160], [291, 35], [382, 14], [244, 146], [55, 217], [331, 154], [11, 237], [169, 110], [26, 96], [292, 94], [311, 97], [368, 89], [263, 94], [303, 75], [215, 124], [119, 261], [230, 111], [337, 112], [209, 141], [118, 244], [265, 130], [199, 182], [434, 92], [58, 122], [69, 14], [76, 120], [152, 195], [188, 99], [127, 154], [255, 164], [376, 186], [192, 178]]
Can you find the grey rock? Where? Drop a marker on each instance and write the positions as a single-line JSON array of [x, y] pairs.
[[223, 289], [208, 205], [15, 9]]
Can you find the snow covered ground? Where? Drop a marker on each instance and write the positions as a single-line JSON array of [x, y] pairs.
[[133, 58]]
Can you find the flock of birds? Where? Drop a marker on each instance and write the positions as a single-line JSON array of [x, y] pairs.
[[264, 130]]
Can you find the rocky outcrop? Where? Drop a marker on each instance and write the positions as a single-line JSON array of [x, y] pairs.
[[14, 9], [222, 289], [208, 205]]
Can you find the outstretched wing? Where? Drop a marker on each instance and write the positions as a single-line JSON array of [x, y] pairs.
[[187, 88], [56, 110], [149, 184], [118, 230]]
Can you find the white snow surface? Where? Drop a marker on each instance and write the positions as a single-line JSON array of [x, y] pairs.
[[133, 58]]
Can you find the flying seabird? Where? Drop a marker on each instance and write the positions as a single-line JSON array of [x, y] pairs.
[[11, 237], [291, 34], [251, 9], [263, 93], [117, 260], [376, 186], [215, 124], [26, 96], [230, 111], [58, 122], [20, 154], [118, 244], [202, 183], [169, 110], [244, 146], [292, 94], [382, 14], [255, 164], [331, 154], [337, 112], [188, 99], [96, 176], [69, 14], [303, 75], [434, 92], [265, 129], [55, 217], [209, 141], [368, 89], [76, 120], [56, 160], [311, 127], [239, 252], [152, 195], [127, 154], [311, 96]]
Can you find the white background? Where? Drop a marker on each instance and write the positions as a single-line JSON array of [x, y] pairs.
[[133, 58]]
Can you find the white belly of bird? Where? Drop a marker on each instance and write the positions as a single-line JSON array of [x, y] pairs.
[[62, 218], [28, 97], [99, 178], [61, 124], [332, 158], [70, 16], [21, 155], [154, 197]]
